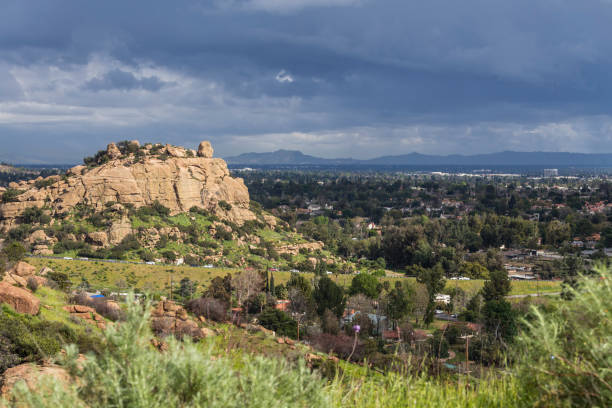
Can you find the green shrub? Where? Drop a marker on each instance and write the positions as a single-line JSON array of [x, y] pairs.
[[13, 251], [10, 195], [278, 321], [225, 205], [30, 338], [35, 215], [20, 233], [60, 279], [44, 183], [131, 373], [566, 355]]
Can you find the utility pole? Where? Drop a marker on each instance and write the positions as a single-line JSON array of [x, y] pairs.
[[467, 348]]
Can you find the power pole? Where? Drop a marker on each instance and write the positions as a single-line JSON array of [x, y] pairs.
[[467, 348]]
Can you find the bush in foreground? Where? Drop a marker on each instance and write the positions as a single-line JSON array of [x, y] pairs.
[[131, 373], [567, 354]]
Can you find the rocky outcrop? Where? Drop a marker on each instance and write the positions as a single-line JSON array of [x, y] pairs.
[[169, 318], [86, 313], [20, 273], [22, 269], [31, 374], [19, 299], [119, 230], [205, 150], [176, 177], [295, 249]]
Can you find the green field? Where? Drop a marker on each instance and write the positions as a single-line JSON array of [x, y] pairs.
[[157, 278]]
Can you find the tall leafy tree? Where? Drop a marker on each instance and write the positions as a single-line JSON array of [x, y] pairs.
[[399, 302], [328, 295], [434, 281], [366, 284], [497, 287]]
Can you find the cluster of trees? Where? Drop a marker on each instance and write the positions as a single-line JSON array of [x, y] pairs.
[[514, 213]]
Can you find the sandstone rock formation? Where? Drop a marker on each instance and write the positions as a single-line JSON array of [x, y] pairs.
[[31, 374], [169, 318], [19, 299], [176, 177], [205, 150], [86, 313], [23, 269], [20, 273]]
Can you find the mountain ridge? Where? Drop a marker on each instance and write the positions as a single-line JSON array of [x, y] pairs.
[[508, 157]]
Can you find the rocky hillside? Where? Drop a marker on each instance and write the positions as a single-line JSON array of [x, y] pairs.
[[153, 202], [137, 176]]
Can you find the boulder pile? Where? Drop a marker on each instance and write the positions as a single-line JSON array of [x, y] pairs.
[[86, 313], [169, 318]]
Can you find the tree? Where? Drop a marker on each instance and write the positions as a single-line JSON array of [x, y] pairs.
[[399, 302], [473, 309], [186, 288], [281, 292], [572, 267], [246, 284], [360, 302], [14, 251], [328, 295], [420, 300], [329, 322], [366, 284], [272, 289], [299, 303], [278, 321], [473, 270], [220, 288], [434, 281], [500, 320], [497, 287], [297, 281]]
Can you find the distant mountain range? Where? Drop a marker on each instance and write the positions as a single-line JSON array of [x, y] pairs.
[[506, 158]]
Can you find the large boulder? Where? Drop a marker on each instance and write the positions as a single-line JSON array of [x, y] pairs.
[[23, 269], [31, 374], [205, 150], [19, 299], [15, 280], [39, 236], [98, 238], [113, 151]]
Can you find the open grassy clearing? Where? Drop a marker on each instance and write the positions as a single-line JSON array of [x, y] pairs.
[[157, 277]]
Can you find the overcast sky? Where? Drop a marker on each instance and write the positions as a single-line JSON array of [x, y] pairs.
[[332, 78]]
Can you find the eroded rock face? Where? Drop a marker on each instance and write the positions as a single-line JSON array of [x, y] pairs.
[[19, 299], [178, 181]]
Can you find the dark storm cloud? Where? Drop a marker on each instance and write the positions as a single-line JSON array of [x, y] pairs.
[[438, 76]]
